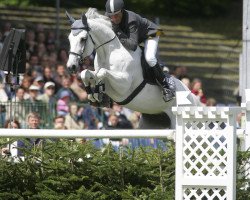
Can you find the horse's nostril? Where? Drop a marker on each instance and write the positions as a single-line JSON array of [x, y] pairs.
[[73, 68]]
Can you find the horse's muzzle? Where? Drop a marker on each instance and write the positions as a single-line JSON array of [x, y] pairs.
[[72, 69]]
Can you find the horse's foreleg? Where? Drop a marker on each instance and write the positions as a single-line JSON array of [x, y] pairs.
[[119, 81], [88, 78]]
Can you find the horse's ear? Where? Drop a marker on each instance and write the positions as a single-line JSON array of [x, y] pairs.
[[71, 19], [84, 20]]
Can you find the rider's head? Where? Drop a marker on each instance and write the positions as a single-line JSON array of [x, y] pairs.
[[114, 10]]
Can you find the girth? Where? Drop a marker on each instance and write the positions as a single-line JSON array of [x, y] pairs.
[[133, 94]]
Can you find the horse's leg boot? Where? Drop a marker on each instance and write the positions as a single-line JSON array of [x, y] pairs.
[[166, 81]]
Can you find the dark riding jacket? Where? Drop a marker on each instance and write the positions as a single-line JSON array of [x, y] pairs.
[[134, 30]]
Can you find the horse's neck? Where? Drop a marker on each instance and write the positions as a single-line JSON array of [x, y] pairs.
[[102, 34], [103, 53]]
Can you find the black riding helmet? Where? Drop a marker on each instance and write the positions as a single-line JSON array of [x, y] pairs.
[[114, 6]]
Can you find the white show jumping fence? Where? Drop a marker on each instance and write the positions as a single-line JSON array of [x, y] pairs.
[[205, 147]]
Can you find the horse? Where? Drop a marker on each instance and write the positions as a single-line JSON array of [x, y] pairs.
[[119, 70]]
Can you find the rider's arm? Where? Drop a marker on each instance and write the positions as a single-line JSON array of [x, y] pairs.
[[129, 41]]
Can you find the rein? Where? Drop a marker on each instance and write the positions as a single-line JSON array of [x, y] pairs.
[[105, 42]]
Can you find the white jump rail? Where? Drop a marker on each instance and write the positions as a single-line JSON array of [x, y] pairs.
[[51, 133]]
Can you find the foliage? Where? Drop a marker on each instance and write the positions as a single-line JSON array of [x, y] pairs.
[[243, 181], [68, 170], [15, 2], [166, 8]]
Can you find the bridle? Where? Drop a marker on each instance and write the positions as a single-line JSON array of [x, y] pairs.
[[88, 29]]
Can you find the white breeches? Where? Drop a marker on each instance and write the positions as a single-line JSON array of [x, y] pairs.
[[151, 46]]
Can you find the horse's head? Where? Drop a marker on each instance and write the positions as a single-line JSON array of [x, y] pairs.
[[81, 42]]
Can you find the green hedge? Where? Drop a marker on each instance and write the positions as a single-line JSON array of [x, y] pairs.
[[67, 170]]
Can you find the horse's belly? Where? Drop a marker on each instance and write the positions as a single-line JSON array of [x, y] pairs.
[[150, 101]]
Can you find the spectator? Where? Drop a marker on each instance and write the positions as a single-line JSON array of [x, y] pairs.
[[211, 102], [30, 41], [39, 82], [33, 122], [60, 73], [34, 68], [41, 37], [72, 119], [39, 28], [63, 56], [25, 84], [49, 100], [32, 103], [90, 116], [51, 37], [53, 59], [18, 107], [51, 46], [66, 84], [3, 100], [186, 82], [180, 72], [62, 104], [197, 89], [11, 148], [134, 119], [113, 122], [123, 115], [59, 122], [41, 51]]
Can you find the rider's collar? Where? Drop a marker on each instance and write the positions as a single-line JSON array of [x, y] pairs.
[[78, 26]]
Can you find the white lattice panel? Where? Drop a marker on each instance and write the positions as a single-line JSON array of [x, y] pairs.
[[205, 153], [208, 193]]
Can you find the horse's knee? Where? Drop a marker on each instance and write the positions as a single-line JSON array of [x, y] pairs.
[[86, 75], [101, 73], [83, 75]]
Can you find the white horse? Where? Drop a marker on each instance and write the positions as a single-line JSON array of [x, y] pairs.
[[119, 69]]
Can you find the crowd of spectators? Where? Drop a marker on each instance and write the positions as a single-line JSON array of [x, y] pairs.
[[47, 88]]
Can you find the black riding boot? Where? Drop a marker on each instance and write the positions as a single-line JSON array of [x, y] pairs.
[[166, 81]]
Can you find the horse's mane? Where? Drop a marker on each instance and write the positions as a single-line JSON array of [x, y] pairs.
[[92, 13]]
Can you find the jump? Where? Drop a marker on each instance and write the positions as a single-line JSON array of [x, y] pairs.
[[119, 70]]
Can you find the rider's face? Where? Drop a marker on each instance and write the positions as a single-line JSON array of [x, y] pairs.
[[116, 18]]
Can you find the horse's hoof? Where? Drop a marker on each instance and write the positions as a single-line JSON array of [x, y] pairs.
[[98, 97], [91, 98]]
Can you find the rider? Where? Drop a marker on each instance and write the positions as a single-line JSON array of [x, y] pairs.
[[132, 29]]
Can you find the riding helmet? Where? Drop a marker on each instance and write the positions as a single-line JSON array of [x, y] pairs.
[[113, 6]]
